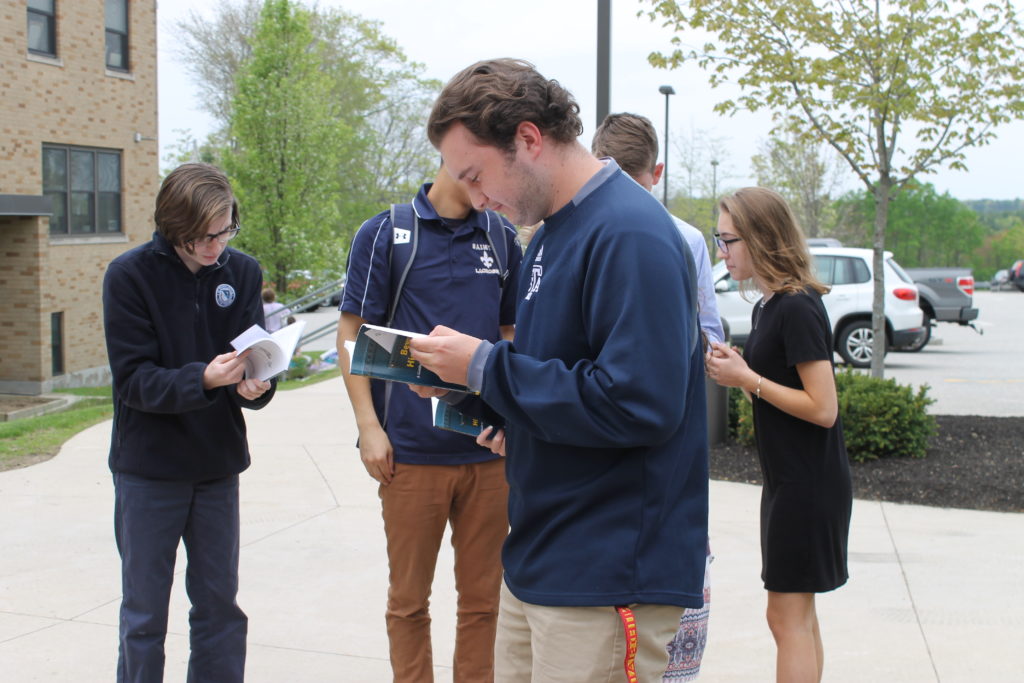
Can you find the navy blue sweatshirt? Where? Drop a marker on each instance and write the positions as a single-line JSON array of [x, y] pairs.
[[163, 325], [603, 394]]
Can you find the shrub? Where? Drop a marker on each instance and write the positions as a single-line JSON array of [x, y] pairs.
[[741, 417], [881, 419]]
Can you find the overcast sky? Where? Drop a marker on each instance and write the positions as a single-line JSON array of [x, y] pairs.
[[559, 36]]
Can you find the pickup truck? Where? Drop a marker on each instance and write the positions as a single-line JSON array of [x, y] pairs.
[[945, 295]]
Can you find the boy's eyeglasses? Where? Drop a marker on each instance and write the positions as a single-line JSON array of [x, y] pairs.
[[723, 244], [222, 237]]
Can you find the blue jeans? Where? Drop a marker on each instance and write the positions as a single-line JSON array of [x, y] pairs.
[[150, 517]]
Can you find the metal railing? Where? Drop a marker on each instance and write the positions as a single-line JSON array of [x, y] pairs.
[[312, 299]]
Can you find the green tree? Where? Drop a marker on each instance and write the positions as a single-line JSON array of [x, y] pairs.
[[807, 175], [1000, 248], [288, 146], [376, 91], [897, 88], [925, 228]]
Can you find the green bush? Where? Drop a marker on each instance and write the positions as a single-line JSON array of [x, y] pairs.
[[881, 418], [299, 367], [741, 417]]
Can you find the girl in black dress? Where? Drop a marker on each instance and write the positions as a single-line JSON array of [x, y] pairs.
[[786, 371]]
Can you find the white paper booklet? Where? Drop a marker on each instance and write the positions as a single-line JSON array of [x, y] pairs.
[[271, 353]]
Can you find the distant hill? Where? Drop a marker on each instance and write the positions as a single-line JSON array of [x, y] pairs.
[[996, 206]]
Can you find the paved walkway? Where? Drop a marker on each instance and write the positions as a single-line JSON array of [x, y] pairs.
[[935, 594]]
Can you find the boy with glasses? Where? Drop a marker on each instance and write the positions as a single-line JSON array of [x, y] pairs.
[[171, 307]]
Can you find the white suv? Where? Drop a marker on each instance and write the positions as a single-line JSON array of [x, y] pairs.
[[848, 272]]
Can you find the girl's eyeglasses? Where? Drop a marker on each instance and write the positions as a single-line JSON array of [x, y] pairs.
[[723, 244]]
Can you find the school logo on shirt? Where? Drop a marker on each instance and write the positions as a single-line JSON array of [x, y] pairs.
[[486, 260], [536, 273], [224, 296], [402, 236]]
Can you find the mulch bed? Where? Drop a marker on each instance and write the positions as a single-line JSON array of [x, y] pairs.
[[973, 462]]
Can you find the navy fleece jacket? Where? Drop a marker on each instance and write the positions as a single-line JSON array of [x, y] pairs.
[[163, 325], [603, 393]]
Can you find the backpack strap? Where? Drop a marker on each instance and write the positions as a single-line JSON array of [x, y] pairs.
[[503, 269], [405, 227]]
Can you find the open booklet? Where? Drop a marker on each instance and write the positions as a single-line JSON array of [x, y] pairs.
[[383, 353], [271, 353]]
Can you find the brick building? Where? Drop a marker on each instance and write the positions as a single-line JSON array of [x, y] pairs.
[[79, 170]]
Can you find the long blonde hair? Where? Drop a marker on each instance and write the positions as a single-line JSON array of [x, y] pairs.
[[778, 250]]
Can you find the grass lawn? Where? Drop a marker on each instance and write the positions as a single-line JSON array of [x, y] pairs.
[[29, 440]]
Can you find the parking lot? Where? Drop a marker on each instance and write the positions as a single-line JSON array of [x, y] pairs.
[[969, 373]]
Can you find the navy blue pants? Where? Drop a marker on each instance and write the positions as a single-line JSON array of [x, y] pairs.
[[150, 517]]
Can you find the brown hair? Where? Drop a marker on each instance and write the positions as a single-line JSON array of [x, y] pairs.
[[268, 295], [190, 197], [776, 244], [630, 139], [491, 98]]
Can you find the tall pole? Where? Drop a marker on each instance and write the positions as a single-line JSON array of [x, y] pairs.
[[666, 90], [714, 194], [604, 58]]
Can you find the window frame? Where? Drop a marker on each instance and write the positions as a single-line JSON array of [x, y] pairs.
[[97, 196], [124, 35], [51, 29]]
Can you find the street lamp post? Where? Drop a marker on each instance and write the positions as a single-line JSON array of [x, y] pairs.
[[714, 193], [666, 90]]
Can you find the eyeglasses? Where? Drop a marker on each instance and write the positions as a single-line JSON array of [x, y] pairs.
[[723, 244], [222, 237]]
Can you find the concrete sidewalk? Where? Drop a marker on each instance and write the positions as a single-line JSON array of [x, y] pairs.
[[934, 595]]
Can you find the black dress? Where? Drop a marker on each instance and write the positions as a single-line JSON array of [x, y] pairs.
[[807, 496]]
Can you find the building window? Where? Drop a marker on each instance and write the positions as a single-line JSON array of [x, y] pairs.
[[84, 186], [57, 343], [117, 34], [42, 27]]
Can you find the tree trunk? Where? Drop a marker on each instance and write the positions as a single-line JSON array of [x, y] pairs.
[[882, 191]]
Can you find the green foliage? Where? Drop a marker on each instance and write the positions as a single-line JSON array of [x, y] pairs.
[[898, 89], [368, 90], [289, 147], [741, 417], [1000, 249], [806, 174], [881, 419], [924, 229]]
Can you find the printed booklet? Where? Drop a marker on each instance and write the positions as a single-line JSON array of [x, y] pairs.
[[383, 353], [271, 353], [447, 417]]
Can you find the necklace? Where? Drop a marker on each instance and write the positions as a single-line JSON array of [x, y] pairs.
[[759, 311]]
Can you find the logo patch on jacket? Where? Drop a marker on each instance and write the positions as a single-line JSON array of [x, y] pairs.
[[224, 296], [536, 273]]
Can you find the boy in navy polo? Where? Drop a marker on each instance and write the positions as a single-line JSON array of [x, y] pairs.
[[459, 276]]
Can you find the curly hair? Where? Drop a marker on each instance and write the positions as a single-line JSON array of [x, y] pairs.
[[190, 197], [776, 244], [491, 98]]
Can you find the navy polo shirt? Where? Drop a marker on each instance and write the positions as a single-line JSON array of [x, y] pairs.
[[454, 281]]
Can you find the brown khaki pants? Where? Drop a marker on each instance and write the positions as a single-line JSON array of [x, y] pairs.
[[539, 644], [420, 501]]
